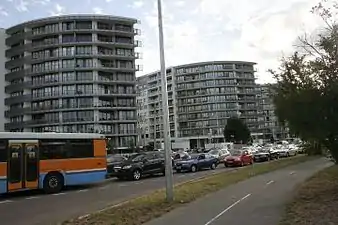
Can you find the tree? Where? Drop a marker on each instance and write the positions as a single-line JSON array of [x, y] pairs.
[[306, 93], [236, 131]]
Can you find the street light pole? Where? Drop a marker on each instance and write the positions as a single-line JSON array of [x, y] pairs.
[[165, 116]]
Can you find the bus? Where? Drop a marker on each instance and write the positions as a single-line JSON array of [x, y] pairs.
[[50, 161]]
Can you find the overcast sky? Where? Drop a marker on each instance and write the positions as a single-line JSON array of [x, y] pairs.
[[195, 30]]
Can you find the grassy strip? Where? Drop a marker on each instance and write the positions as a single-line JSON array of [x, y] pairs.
[[146, 208], [316, 200]]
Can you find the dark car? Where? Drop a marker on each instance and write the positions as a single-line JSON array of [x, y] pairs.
[[146, 163], [196, 162], [114, 161]]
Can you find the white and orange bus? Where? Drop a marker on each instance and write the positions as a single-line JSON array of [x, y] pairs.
[[50, 161]]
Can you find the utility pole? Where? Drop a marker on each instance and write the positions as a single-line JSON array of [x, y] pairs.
[[165, 116], [155, 131]]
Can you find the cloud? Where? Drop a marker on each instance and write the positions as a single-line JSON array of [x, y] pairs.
[[22, 6], [97, 10], [3, 12], [137, 4], [58, 10], [259, 31]]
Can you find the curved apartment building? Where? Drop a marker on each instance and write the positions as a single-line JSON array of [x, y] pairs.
[[73, 74], [201, 98]]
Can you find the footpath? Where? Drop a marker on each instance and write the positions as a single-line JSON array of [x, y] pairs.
[[257, 201]]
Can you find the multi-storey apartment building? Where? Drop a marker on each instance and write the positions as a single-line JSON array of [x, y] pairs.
[[73, 74], [149, 100], [2, 76], [201, 98], [269, 126]]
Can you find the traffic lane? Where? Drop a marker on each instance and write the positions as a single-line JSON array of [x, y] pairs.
[[51, 209], [265, 206], [219, 208], [21, 195]]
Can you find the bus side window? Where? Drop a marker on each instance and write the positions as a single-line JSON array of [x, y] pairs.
[[53, 149], [80, 148], [3, 151]]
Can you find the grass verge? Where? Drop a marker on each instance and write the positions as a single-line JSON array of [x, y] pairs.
[[148, 207], [316, 200]]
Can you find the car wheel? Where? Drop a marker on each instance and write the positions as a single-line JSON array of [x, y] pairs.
[[226, 165], [178, 171], [136, 175], [213, 166], [193, 168], [242, 163]]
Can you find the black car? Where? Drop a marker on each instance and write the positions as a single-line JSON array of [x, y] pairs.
[[114, 161], [146, 163]]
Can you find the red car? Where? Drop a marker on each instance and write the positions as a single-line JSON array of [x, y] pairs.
[[239, 158]]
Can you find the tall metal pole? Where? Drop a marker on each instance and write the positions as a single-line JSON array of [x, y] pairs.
[[166, 130], [155, 131]]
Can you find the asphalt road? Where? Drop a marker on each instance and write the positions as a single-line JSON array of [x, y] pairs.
[[35, 208], [256, 201]]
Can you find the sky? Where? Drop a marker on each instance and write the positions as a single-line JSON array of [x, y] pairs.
[[260, 31]]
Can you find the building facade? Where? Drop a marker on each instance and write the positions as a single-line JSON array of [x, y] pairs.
[[201, 97], [73, 74], [269, 127], [2, 81]]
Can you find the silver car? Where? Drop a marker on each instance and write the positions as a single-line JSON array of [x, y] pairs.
[[220, 154]]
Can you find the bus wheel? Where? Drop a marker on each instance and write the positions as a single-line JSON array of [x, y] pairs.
[[53, 183]]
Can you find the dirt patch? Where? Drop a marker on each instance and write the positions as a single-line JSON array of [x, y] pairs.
[[316, 201]]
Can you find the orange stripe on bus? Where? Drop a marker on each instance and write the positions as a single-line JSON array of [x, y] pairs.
[[3, 169], [72, 164]]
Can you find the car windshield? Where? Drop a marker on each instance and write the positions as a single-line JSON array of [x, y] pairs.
[[194, 156], [237, 153], [214, 152], [115, 158], [137, 157]]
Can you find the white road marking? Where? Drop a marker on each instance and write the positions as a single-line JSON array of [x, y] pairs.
[[227, 209], [292, 172], [33, 197], [270, 182], [104, 187], [62, 193], [139, 182], [82, 217], [6, 201], [123, 185], [85, 190]]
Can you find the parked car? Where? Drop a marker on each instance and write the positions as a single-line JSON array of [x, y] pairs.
[[114, 160], [220, 154], [261, 156], [180, 156], [239, 158], [196, 162], [292, 150], [146, 163]]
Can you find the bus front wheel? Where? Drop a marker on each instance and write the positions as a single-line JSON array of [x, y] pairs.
[[53, 183]]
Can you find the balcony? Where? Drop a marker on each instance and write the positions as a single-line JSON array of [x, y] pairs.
[[16, 75], [17, 111], [18, 99], [18, 87]]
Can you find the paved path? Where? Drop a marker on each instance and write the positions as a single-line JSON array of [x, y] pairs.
[[35, 208], [256, 201]]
